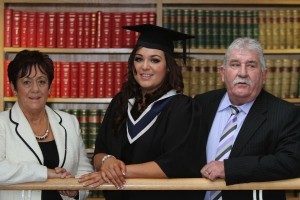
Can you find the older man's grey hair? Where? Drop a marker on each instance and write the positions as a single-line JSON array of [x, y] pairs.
[[246, 43]]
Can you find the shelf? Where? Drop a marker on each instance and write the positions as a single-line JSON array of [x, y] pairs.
[[222, 51], [86, 1], [129, 50], [237, 2], [68, 100], [72, 50]]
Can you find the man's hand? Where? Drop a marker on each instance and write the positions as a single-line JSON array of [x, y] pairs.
[[213, 170]]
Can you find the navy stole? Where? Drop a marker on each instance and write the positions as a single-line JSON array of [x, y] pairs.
[[136, 130]]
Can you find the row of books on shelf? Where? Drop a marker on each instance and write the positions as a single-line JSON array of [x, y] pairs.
[[202, 75], [81, 79], [215, 29], [72, 29]]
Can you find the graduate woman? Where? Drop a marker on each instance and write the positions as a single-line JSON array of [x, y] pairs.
[[146, 129]]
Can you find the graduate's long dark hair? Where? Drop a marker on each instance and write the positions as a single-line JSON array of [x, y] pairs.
[[131, 89]]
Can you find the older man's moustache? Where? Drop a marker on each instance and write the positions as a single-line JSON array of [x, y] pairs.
[[247, 81]]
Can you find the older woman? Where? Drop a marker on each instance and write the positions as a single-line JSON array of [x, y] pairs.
[[36, 142]]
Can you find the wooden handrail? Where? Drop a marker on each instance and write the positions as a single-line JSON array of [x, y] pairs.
[[159, 184]]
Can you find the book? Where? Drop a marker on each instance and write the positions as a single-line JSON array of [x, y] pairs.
[[32, 29], [93, 30], [100, 80], [286, 78], [269, 30], [211, 75], [80, 27], [65, 79], [24, 30], [129, 37], [57, 78], [106, 28], [91, 77], [203, 74], [61, 30], [41, 30], [117, 34], [109, 77], [201, 31], [118, 77], [7, 92], [71, 29], [16, 29], [7, 27], [268, 86], [194, 77], [74, 74], [282, 29], [275, 29], [296, 30], [294, 78], [51, 29], [82, 80], [98, 29], [152, 18], [86, 29], [277, 81], [262, 27]]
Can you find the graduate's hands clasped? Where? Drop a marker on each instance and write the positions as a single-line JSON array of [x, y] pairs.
[[213, 170], [112, 171]]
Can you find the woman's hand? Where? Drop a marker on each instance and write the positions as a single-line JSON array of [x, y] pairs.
[[114, 171], [93, 179], [59, 172]]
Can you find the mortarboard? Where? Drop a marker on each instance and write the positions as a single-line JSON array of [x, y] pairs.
[[156, 37]]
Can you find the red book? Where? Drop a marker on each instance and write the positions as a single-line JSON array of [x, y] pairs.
[[117, 33], [100, 80], [74, 69], [16, 29], [106, 30], [6, 89], [82, 79], [61, 30], [71, 30], [145, 17], [86, 30], [118, 77], [65, 79], [125, 69], [128, 36], [31, 29], [91, 77], [93, 30], [24, 30], [109, 73], [80, 25], [51, 29], [137, 21], [54, 84], [98, 33], [7, 26], [152, 18], [41, 30], [57, 79]]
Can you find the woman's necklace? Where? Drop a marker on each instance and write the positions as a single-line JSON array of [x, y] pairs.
[[42, 137]]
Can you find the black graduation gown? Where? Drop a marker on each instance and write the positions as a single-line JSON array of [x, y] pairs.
[[169, 142]]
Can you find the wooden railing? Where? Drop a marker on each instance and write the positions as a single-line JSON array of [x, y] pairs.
[[159, 184]]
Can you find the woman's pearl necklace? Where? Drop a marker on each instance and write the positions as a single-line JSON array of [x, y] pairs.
[[42, 137]]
